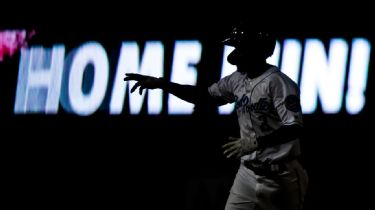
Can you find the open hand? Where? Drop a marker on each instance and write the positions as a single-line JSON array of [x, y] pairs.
[[233, 148], [238, 147], [143, 82]]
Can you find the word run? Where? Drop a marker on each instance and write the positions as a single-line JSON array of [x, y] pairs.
[[79, 81]]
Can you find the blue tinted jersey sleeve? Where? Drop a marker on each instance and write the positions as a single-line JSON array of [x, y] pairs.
[[286, 99], [223, 90]]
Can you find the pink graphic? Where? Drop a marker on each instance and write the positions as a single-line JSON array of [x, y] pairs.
[[13, 40]]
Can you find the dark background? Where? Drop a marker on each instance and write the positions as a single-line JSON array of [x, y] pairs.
[[167, 162]]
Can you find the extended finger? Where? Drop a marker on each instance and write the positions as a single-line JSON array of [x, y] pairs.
[[230, 149], [132, 76], [129, 76], [135, 87], [229, 144], [233, 153], [141, 90]]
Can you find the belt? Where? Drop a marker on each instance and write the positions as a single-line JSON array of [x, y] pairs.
[[265, 169]]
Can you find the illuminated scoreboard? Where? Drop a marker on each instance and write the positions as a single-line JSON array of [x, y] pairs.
[[79, 79], [332, 73]]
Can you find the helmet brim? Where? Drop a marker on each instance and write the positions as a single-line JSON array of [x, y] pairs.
[[229, 42]]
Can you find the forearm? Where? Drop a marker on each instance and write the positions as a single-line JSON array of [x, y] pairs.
[[187, 93], [282, 135]]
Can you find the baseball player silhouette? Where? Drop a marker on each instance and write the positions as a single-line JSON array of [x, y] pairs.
[[270, 176]]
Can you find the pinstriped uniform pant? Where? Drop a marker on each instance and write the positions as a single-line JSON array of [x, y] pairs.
[[283, 191]]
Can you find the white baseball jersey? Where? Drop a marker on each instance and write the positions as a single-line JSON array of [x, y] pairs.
[[263, 105]]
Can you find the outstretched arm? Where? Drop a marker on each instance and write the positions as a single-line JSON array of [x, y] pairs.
[[187, 93]]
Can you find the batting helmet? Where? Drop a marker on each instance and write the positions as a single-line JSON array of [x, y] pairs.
[[243, 36]]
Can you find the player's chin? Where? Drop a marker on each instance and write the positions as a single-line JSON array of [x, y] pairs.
[[241, 70], [233, 58]]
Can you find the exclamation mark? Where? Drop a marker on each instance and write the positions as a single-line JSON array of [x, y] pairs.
[[358, 73]]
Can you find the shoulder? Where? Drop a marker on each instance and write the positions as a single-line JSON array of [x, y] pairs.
[[278, 78], [237, 75], [233, 77]]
